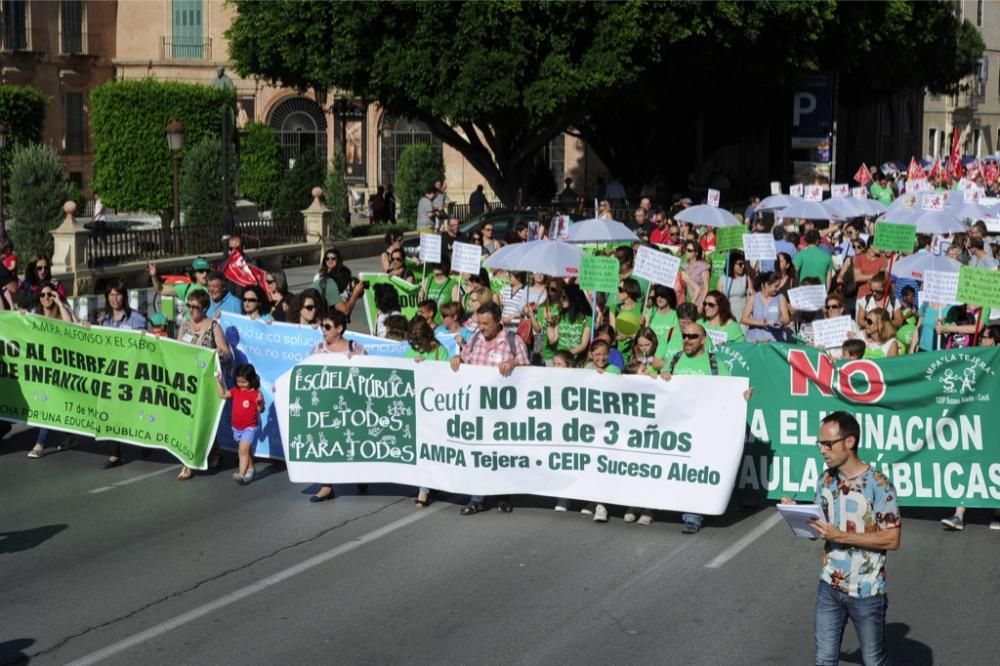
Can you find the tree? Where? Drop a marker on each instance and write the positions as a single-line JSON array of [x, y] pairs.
[[22, 111], [132, 163], [261, 164], [202, 198], [419, 166], [335, 192], [498, 80], [295, 192], [37, 194]]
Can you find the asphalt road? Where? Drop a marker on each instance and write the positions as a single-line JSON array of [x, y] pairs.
[[128, 566]]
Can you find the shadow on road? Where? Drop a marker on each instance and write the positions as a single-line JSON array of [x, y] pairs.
[[902, 650], [12, 652], [18, 540]]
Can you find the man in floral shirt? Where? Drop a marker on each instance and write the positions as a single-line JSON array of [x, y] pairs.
[[862, 523]]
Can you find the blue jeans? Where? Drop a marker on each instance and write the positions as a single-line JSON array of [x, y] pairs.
[[833, 607]]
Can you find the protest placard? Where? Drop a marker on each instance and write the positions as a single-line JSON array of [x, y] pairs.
[[657, 267], [810, 298], [430, 248], [775, 187], [909, 200], [839, 190], [408, 294], [599, 274], [759, 247], [729, 238], [109, 383], [466, 258], [814, 193], [895, 237], [718, 337], [713, 198], [831, 333], [859, 193], [796, 190], [979, 286], [972, 195], [542, 431], [940, 287], [932, 201]]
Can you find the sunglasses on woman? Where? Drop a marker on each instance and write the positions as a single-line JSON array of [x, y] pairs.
[[310, 308], [47, 294], [834, 306], [328, 326]]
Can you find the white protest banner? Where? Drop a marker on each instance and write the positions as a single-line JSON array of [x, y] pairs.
[[717, 337], [657, 267], [630, 440], [430, 248], [840, 190], [775, 187], [814, 193], [809, 298], [940, 287], [910, 200], [830, 333], [759, 247], [466, 258], [713, 198], [932, 201], [946, 196], [859, 193], [917, 185], [796, 190], [972, 195]]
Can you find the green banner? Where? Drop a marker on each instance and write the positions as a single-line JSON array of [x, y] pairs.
[[109, 384], [729, 238], [927, 420], [895, 237], [409, 296], [599, 274], [979, 286]]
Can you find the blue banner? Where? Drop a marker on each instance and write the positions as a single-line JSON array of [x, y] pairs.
[[275, 348]]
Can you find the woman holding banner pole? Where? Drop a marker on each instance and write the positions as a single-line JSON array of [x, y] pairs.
[[201, 331], [333, 324], [50, 304]]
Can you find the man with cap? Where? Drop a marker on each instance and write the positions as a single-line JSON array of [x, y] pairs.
[[199, 280]]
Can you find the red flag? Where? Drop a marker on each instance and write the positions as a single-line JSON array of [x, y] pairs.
[[915, 171], [935, 173], [863, 176], [955, 156], [991, 173], [239, 271]]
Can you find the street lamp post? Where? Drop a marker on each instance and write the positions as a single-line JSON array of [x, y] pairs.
[[175, 141], [3, 144]]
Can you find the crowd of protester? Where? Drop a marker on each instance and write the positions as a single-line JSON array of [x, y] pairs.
[[509, 319]]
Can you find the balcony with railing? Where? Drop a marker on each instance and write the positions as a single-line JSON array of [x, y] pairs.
[[185, 48]]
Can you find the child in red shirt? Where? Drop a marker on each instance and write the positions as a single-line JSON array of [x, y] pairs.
[[247, 404]]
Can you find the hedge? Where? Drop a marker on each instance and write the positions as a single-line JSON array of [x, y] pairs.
[[380, 229], [22, 110], [295, 192], [37, 194], [132, 168], [335, 194], [202, 199], [261, 164], [419, 166]]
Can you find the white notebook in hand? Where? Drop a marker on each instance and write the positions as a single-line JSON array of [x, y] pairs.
[[798, 517]]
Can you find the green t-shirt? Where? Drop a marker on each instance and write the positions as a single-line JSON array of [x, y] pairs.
[[883, 194], [733, 331], [439, 292], [609, 369], [661, 323], [548, 348], [813, 262], [439, 354], [328, 288], [571, 332], [696, 365], [184, 290]]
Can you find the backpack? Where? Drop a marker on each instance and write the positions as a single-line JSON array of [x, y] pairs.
[[713, 363]]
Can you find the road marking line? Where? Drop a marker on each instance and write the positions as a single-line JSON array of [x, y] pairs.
[[140, 477], [744, 541], [244, 592]]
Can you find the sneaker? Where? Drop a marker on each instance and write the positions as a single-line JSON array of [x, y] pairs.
[[248, 477], [995, 524], [955, 523], [587, 509], [237, 477], [691, 527], [67, 444], [562, 506], [37, 452], [630, 515], [600, 514], [646, 518]]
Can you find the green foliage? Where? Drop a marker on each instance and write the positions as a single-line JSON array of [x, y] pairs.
[[419, 166], [541, 186], [261, 164], [380, 229], [37, 194], [295, 192], [202, 197], [132, 168], [335, 193], [22, 110], [75, 194]]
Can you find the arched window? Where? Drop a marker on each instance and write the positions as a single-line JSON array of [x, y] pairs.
[[301, 124], [397, 134]]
